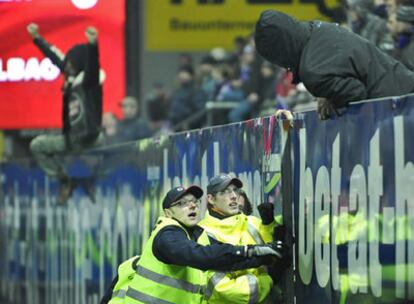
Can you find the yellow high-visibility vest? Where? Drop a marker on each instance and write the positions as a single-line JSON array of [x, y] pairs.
[[243, 286], [126, 272], [157, 282]]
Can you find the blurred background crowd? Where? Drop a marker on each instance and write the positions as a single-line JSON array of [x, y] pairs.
[[231, 86]]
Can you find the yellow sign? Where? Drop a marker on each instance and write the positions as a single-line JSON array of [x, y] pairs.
[[178, 25]]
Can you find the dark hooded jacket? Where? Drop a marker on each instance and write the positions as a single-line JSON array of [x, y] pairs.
[[86, 86], [331, 61]]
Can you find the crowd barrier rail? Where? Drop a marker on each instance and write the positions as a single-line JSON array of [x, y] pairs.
[[345, 188]]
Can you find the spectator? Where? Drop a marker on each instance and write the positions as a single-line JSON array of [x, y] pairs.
[[110, 128], [208, 83], [401, 26], [187, 99], [249, 67], [82, 106], [239, 43], [231, 91], [250, 75], [158, 102], [380, 9], [158, 105], [267, 86], [391, 6], [334, 64], [262, 92], [368, 25], [131, 127], [222, 74], [284, 88], [219, 54], [185, 60], [232, 64]]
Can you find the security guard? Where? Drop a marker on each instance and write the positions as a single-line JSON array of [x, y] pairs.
[[171, 267], [224, 222], [119, 285]]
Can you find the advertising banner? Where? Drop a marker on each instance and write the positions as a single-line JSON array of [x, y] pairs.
[[347, 199], [354, 205], [30, 85], [70, 253], [177, 25]]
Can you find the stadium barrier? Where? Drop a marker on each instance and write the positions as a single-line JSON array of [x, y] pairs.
[[347, 192]]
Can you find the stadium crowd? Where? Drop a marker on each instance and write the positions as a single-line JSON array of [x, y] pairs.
[[231, 86], [254, 87]]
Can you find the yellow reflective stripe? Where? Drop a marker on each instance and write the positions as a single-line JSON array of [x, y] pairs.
[[251, 280], [212, 283], [168, 281], [119, 293], [254, 289], [254, 233], [139, 296]]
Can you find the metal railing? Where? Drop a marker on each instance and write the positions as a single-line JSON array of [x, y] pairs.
[[210, 112]]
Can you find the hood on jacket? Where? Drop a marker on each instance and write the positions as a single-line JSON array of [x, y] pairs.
[[78, 55], [280, 39]]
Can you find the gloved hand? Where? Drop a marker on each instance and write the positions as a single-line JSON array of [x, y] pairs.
[[325, 108], [277, 249], [266, 211], [279, 233]]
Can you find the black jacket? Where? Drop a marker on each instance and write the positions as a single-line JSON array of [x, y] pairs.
[[186, 100], [172, 246], [86, 86], [331, 61], [132, 129]]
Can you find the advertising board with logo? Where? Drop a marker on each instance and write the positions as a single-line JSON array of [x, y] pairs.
[[175, 25], [30, 85]]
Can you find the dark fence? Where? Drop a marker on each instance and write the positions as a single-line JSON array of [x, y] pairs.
[[348, 200]]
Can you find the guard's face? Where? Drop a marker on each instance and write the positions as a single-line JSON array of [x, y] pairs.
[[226, 201], [186, 210]]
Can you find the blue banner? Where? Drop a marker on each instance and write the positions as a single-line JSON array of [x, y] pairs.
[[353, 190], [70, 253], [348, 191]]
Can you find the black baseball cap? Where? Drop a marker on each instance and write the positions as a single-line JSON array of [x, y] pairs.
[[221, 181], [178, 192]]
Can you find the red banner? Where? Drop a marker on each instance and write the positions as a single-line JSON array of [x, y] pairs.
[[30, 86]]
